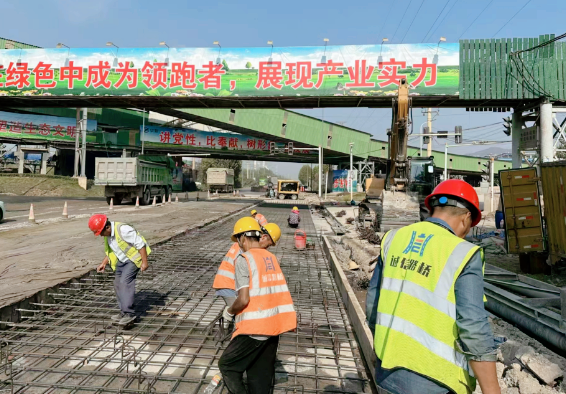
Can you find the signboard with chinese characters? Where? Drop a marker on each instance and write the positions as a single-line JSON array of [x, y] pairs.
[[202, 139], [342, 181], [352, 70], [43, 127]]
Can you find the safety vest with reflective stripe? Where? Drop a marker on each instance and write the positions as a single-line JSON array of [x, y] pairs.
[[226, 273], [270, 310], [129, 250], [262, 221], [416, 314]]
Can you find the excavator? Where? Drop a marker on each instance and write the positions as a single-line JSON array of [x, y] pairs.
[[398, 199]]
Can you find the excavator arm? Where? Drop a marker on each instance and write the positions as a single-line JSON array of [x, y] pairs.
[[398, 136]]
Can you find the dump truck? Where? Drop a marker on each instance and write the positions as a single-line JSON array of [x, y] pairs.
[[288, 189], [130, 177], [220, 179]]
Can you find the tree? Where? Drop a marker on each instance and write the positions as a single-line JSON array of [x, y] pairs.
[[248, 65], [305, 174], [235, 165], [131, 64], [225, 65]]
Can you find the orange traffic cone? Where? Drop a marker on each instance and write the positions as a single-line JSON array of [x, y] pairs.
[[234, 193], [176, 199], [137, 203], [169, 202], [65, 213], [154, 202], [111, 204], [208, 196], [31, 215]]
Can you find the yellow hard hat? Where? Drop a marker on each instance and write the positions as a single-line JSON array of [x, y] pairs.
[[295, 209], [243, 225], [274, 232], [253, 212]]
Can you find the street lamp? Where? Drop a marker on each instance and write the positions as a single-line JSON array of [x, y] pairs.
[[435, 58], [270, 61], [351, 173], [219, 49], [111, 44], [61, 45], [163, 43], [323, 60], [380, 58]]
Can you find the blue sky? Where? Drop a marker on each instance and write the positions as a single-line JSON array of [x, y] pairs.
[[251, 23]]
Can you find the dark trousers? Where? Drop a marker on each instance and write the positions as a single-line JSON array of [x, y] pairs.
[[255, 357], [293, 225], [125, 286]]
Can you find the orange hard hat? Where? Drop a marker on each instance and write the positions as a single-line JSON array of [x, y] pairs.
[[459, 191], [97, 222]]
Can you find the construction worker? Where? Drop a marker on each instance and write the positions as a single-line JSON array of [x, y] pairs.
[[263, 310], [259, 217], [224, 281], [294, 218], [425, 302], [126, 251]]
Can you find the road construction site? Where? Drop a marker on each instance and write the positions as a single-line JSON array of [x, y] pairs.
[[62, 341]]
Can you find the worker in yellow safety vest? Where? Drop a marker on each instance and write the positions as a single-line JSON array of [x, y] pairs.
[[126, 252], [224, 281], [425, 302], [263, 310], [259, 217]]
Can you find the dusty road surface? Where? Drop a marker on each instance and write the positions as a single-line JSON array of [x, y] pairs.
[[38, 256]]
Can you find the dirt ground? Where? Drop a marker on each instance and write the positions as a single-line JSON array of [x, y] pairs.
[[38, 185], [38, 256]]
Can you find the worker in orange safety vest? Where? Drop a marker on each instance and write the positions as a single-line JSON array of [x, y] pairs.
[[263, 310], [259, 217], [224, 280]]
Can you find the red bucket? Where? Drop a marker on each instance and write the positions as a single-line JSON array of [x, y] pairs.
[[300, 239]]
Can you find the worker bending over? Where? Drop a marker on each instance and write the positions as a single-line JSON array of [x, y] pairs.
[[126, 251], [294, 218], [263, 310], [224, 282], [259, 217], [425, 302]]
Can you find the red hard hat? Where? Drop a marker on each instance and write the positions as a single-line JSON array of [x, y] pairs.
[[463, 191], [97, 222]]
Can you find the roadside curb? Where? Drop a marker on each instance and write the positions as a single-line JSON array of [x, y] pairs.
[[353, 308]]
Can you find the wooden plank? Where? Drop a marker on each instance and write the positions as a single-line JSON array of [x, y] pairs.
[[462, 68], [497, 62], [518, 47], [493, 75], [482, 69], [477, 93]]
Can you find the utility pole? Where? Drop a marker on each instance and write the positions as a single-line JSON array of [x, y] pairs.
[[77, 143], [429, 124], [491, 176], [83, 130], [351, 172]]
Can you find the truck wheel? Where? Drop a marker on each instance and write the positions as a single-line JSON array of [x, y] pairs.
[[146, 197], [118, 199], [294, 196], [281, 196]]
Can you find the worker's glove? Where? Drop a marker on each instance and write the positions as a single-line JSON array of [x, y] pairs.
[[228, 318]]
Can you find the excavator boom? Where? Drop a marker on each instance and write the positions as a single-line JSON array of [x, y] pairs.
[[398, 138]]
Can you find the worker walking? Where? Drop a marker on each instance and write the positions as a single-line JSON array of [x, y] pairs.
[[263, 310], [126, 251], [294, 218], [425, 302], [259, 217], [224, 281]]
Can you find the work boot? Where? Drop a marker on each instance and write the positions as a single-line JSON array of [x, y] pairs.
[[117, 317], [126, 319]]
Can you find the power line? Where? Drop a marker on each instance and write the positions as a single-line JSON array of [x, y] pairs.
[[386, 19], [444, 17], [415, 17], [514, 15], [438, 16], [477, 17], [403, 17]]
